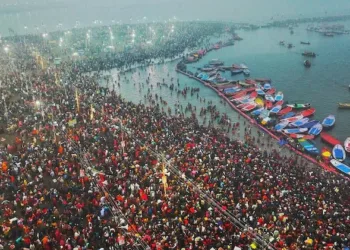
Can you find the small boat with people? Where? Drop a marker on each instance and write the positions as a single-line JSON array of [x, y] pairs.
[[344, 105], [257, 111], [329, 139], [329, 121], [341, 167], [267, 86], [305, 43], [249, 107], [309, 147], [216, 62], [293, 118], [246, 72], [269, 98], [309, 54], [338, 153], [307, 63], [260, 91], [299, 105], [271, 91]]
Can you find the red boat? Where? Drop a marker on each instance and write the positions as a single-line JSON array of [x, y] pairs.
[[250, 81], [285, 111], [262, 80], [299, 136], [254, 94], [279, 103], [329, 139], [326, 153], [268, 104], [308, 112], [242, 93], [271, 91]]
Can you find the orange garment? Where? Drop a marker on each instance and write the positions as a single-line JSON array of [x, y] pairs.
[[4, 166], [60, 149]]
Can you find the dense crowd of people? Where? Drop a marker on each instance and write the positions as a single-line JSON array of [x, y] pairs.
[[81, 168]]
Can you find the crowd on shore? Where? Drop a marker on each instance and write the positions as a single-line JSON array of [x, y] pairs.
[[88, 170]]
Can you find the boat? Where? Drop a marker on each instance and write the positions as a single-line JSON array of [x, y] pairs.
[[288, 115], [308, 112], [209, 69], [257, 111], [285, 111], [326, 153], [216, 62], [305, 43], [309, 54], [290, 46], [279, 96], [250, 81], [243, 105], [281, 125], [259, 101], [344, 105], [301, 136], [243, 83], [246, 72], [243, 66], [267, 86], [347, 144], [329, 139], [293, 118], [205, 77], [269, 98], [263, 80], [264, 113], [309, 124], [299, 105], [279, 103], [276, 109], [271, 91], [315, 129], [309, 146], [249, 107], [260, 91], [247, 100], [268, 104], [338, 153], [341, 167], [282, 43], [307, 63], [328, 121], [236, 71], [299, 123], [294, 130], [329, 34], [265, 121]]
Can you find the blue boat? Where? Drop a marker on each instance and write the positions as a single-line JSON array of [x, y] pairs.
[[294, 130], [341, 167], [309, 124], [316, 129], [267, 86], [257, 111], [328, 121], [276, 109], [300, 122], [309, 146], [205, 77], [339, 153], [260, 91], [246, 72], [288, 115], [281, 125], [279, 96], [236, 71]]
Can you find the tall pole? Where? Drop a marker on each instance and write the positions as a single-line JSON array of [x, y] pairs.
[[77, 100]]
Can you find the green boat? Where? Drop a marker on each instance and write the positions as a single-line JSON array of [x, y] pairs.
[[299, 105]]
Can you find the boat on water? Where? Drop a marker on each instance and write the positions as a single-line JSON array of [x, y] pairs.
[[290, 45], [250, 81], [347, 144], [299, 123], [326, 153], [268, 104], [344, 105], [329, 34], [264, 113], [299, 105], [249, 107], [341, 167], [315, 129], [308, 112], [265, 121], [329, 139], [259, 101], [279, 103], [257, 111], [305, 43], [282, 43], [267, 86], [293, 119], [338, 153], [294, 130], [307, 63], [309, 124], [243, 84], [285, 111], [309, 146], [279, 96], [236, 71], [246, 72], [275, 109], [263, 80], [216, 62], [301, 136], [309, 54], [260, 91], [243, 66], [208, 69], [271, 91], [243, 105], [281, 125], [269, 98], [288, 115], [329, 121]]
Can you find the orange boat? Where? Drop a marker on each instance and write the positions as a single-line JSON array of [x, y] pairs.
[[326, 153], [329, 139], [285, 111], [308, 112]]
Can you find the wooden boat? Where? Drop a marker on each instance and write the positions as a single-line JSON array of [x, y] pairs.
[[294, 130], [260, 91], [338, 153], [250, 81], [278, 127], [249, 107], [299, 123], [259, 101], [299, 105], [243, 83], [253, 94], [315, 129], [288, 115], [308, 112], [309, 124], [301, 136], [326, 153], [293, 118], [307, 64], [267, 86], [305, 43], [279, 96], [243, 105], [236, 71], [285, 111], [309, 146], [341, 167], [257, 111], [265, 121], [328, 121], [347, 144], [344, 105], [265, 113], [268, 104], [309, 54], [329, 139], [246, 72], [269, 98], [271, 91], [276, 109], [216, 62], [263, 80], [280, 103]]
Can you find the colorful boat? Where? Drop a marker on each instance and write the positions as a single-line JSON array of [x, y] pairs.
[[236, 71], [254, 95], [265, 113], [276, 109], [281, 125], [260, 91], [294, 130], [309, 146], [299, 123], [249, 107], [285, 111], [288, 115], [269, 98], [263, 80], [347, 144], [243, 84], [326, 153], [299, 105], [243, 105], [257, 111], [308, 112], [259, 101], [329, 139], [293, 118], [315, 129], [341, 167], [267, 86], [338, 153], [301, 136], [265, 121], [309, 124], [279, 103], [279, 96], [268, 104], [250, 81], [271, 91], [328, 121]]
